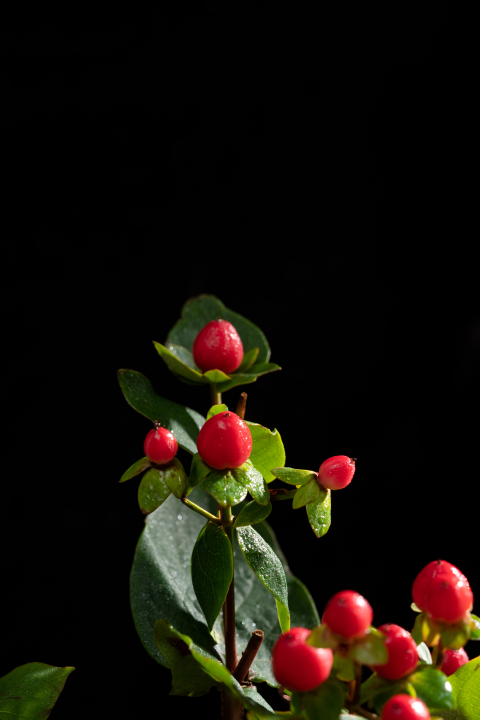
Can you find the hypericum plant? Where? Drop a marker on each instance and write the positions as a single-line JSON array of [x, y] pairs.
[[211, 595]]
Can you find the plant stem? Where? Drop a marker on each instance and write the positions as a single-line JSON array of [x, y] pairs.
[[215, 396], [248, 656], [365, 713], [354, 685], [201, 511], [242, 403], [438, 655]]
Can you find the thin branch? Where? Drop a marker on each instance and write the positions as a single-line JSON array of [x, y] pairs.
[[201, 511], [248, 655], [242, 405], [215, 396]]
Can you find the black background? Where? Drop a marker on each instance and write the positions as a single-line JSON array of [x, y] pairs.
[[314, 173]]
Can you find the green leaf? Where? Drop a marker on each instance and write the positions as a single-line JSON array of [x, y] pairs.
[[182, 421], [322, 637], [455, 636], [283, 616], [252, 513], [380, 689], [248, 376], [293, 476], [153, 490], [415, 607], [224, 488], [177, 366], [188, 677], [266, 566], [212, 570], [343, 667], [135, 469], [248, 360], [306, 493], [267, 450], [175, 477], [465, 684], [417, 633], [433, 687], [182, 354], [475, 627], [370, 649], [424, 654], [319, 513], [198, 470], [215, 410], [326, 702], [250, 478], [30, 691]]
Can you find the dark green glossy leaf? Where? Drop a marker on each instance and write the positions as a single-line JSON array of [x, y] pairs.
[[248, 376], [226, 490], [212, 570], [266, 566], [135, 469], [370, 649], [252, 513], [177, 366], [326, 702], [433, 687], [182, 421], [188, 677], [199, 311], [465, 684], [249, 358], [293, 476], [343, 667], [252, 693], [215, 410], [267, 450], [424, 654], [306, 493], [250, 478], [319, 513], [30, 691], [152, 491], [198, 470], [175, 477], [475, 627], [322, 637]]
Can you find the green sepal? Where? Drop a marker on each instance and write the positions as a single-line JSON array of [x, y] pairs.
[[267, 450], [415, 607], [424, 654], [182, 421], [198, 470], [177, 366], [252, 513], [212, 570], [216, 410], [248, 476], [474, 627], [417, 632], [319, 513], [153, 490], [306, 493], [370, 649], [326, 702], [175, 477], [214, 377], [267, 566], [247, 376], [343, 667], [455, 636], [135, 469], [291, 476], [322, 637], [30, 691], [226, 490], [248, 360]]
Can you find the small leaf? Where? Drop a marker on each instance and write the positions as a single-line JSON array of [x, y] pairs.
[[475, 627], [135, 469], [212, 570], [377, 687], [252, 513], [30, 691], [198, 470], [306, 493], [433, 687], [250, 478], [322, 637], [343, 667], [267, 450], [424, 653], [417, 633], [152, 491], [215, 377], [370, 649], [326, 702], [319, 513], [414, 607], [248, 360], [175, 477], [224, 488], [265, 564], [184, 355], [177, 366], [182, 421], [294, 477], [215, 410], [465, 684], [247, 376]]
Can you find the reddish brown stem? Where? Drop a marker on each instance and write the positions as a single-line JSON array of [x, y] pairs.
[[248, 655], [242, 405]]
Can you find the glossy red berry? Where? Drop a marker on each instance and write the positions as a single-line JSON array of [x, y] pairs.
[[218, 347], [225, 441], [160, 446], [402, 653], [299, 666], [448, 598], [404, 707], [348, 614], [452, 660], [426, 575], [336, 472]]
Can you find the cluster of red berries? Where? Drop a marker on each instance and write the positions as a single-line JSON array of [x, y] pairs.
[[443, 592]]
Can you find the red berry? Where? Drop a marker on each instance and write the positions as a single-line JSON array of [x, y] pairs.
[[336, 472], [218, 347], [348, 614], [298, 666], [452, 660], [404, 707], [402, 653], [160, 446], [224, 441], [426, 575], [448, 598]]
